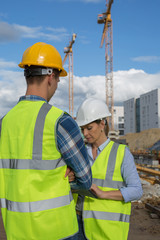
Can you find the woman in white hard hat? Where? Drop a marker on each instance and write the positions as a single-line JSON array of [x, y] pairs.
[[115, 179]]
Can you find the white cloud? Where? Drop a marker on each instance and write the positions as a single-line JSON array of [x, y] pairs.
[[84, 40], [52, 34], [11, 87], [57, 30], [133, 83], [127, 84], [147, 59], [2, 14], [8, 32], [4, 64], [13, 32]]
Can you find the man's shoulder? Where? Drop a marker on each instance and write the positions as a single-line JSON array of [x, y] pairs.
[[67, 120]]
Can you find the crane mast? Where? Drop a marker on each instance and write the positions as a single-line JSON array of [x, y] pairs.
[[69, 53], [107, 35]]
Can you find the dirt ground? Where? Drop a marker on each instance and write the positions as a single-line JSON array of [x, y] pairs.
[[142, 226]]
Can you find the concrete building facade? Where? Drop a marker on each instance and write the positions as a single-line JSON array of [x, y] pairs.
[[142, 113], [119, 119], [129, 116], [150, 110]]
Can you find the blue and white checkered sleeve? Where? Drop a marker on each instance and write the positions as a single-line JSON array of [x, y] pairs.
[[73, 150]]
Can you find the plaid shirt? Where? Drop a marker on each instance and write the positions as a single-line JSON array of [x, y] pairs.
[[72, 148]]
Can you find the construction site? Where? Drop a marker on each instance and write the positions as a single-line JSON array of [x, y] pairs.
[[145, 215]]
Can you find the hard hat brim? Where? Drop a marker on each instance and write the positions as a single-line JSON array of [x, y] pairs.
[[88, 121], [63, 73]]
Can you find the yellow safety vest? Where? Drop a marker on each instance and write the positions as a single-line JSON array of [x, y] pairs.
[[36, 199], [107, 219]]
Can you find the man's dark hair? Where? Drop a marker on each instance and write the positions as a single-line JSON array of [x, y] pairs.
[[35, 74]]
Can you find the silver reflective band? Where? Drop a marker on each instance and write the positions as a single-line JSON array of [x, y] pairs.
[[37, 205], [112, 161], [111, 216], [1, 125], [108, 182], [31, 164], [38, 131]]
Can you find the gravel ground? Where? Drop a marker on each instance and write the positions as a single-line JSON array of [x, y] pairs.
[[143, 226]]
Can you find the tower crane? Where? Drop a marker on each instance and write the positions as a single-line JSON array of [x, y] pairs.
[[105, 18], [69, 53]]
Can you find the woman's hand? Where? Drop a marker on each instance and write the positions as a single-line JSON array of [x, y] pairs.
[[96, 190], [113, 195]]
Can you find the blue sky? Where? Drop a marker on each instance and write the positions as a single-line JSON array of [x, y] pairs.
[[136, 52]]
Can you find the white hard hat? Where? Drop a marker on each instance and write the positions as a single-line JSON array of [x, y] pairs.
[[90, 110]]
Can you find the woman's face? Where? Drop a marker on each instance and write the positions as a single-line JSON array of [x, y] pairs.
[[92, 131]]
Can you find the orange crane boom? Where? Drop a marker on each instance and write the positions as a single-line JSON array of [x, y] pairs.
[[105, 18], [69, 53]]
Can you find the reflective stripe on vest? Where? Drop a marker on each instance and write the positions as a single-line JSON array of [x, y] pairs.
[[31, 164], [38, 132], [37, 205], [111, 216], [108, 182], [1, 125]]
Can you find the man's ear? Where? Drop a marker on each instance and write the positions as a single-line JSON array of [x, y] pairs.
[[50, 77]]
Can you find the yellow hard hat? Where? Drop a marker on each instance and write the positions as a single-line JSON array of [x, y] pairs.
[[44, 55]]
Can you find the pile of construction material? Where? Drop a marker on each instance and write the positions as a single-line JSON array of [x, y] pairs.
[[142, 140], [150, 192], [150, 173], [150, 179]]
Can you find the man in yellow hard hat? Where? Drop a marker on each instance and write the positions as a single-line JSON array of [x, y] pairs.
[[37, 143]]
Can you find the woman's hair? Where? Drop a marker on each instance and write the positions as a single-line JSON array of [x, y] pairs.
[[106, 128]]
